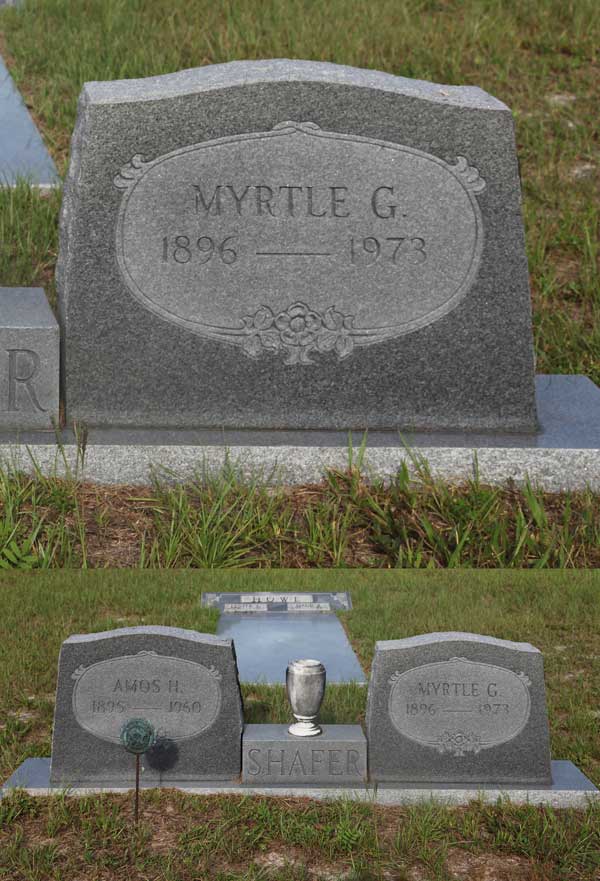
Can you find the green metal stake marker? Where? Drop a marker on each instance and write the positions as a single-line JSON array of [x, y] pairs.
[[137, 736]]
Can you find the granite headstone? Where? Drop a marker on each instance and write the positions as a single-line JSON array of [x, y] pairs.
[[293, 244], [184, 683], [29, 360], [457, 708]]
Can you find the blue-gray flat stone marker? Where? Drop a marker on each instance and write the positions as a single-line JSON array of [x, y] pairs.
[[22, 151], [184, 683], [249, 603], [270, 754], [458, 708], [294, 245], [266, 642], [29, 360]]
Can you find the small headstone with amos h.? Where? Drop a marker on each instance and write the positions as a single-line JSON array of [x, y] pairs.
[[182, 683]]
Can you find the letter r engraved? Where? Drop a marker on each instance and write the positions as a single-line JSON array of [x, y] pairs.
[[23, 366]]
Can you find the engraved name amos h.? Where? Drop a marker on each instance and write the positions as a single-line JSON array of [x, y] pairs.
[[181, 698], [298, 240]]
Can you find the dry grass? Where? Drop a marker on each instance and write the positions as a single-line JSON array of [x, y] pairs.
[[348, 521]]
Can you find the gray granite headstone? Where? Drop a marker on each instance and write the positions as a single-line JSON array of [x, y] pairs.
[[29, 360], [293, 244], [457, 708], [184, 683]]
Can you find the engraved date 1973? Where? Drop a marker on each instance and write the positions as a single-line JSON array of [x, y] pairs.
[[365, 251]]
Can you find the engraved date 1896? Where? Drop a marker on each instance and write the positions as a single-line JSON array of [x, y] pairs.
[[361, 251], [424, 709]]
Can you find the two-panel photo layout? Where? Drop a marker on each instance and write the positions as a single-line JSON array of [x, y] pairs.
[[299, 440]]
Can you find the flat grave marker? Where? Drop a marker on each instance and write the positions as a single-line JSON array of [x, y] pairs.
[[250, 603], [23, 153]]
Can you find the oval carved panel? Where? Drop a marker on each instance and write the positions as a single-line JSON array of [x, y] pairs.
[[180, 698], [459, 706], [299, 241]]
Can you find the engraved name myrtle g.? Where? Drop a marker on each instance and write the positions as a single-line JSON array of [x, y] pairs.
[[210, 239]]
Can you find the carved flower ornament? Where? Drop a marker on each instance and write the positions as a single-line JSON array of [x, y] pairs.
[[459, 742], [298, 330]]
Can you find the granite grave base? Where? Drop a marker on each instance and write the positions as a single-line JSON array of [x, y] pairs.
[[570, 789], [563, 455]]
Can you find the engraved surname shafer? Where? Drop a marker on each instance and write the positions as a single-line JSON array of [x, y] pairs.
[[459, 706], [270, 760], [179, 698], [225, 237]]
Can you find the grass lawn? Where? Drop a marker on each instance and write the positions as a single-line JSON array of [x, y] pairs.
[[539, 56], [559, 612]]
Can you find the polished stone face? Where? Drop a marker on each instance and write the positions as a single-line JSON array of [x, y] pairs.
[[183, 683], [23, 153], [29, 360], [294, 245], [265, 642], [457, 708]]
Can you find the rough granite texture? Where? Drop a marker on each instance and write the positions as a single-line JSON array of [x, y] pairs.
[[458, 708], [29, 360], [563, 455], [431, 324], [270, 754], [196, 710]]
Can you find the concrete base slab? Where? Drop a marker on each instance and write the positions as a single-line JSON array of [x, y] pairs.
[[571, 789], [266, 642], [22, 151], [563, 455]]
